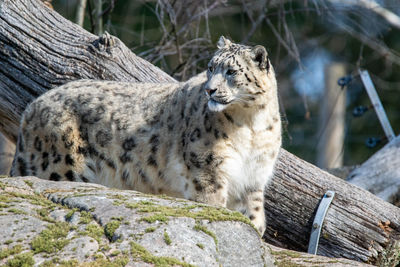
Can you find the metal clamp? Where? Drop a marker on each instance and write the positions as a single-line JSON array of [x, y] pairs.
[[318, 221]]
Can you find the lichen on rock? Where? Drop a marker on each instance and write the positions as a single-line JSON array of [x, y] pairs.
[[71, 224]]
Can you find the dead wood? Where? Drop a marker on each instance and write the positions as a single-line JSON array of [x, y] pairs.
[[380, 174]]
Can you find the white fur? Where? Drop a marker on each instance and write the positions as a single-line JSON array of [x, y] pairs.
[[215, 106]]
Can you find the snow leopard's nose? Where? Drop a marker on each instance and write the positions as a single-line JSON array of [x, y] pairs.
[[210, 92]]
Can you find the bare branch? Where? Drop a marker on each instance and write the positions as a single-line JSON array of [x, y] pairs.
[[294, 54], [374, 44], [373, 6]]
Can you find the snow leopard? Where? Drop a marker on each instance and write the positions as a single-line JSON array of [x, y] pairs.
[[213, 139]]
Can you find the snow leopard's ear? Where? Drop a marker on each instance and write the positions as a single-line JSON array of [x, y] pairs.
[[260, 56], [223, 42]]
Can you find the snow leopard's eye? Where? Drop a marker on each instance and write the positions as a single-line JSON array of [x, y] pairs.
[[210, 68], [230, 72]]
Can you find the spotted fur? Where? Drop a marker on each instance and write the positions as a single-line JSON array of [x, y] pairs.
[[213, 139]]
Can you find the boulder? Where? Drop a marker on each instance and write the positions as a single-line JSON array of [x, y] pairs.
[[80, 224]]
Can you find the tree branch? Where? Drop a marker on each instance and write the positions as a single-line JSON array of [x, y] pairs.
[[373, 6]]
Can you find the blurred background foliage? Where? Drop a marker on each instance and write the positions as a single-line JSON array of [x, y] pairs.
[[303, 37]]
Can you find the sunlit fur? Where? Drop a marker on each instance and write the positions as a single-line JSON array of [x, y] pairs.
[[213, 139]]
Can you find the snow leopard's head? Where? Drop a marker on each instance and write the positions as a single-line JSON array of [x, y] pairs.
[[238, 74]]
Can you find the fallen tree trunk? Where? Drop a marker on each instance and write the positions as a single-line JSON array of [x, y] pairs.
[[39, 49], [358, 225], [377, 174]]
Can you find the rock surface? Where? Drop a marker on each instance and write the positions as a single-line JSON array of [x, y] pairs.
[[47, 223]]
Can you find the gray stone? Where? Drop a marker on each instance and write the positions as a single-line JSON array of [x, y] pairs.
[[55, 223], [129, 230]]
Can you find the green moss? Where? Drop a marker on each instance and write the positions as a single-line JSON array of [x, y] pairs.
[[150, 229], [167, 239], [49, 263], [98, 256], [110, 229], [69, 215], [60, 263], [139, 252], [51, 239], [286, 253], [287, 263], [22, 260], [4, 253], [146, 202], [69, 263], [198, 212], [34, 199], [154, 218], [29, 183], [44, 214], [101, 262], [86, 217], [4, 198], [204, 229], [390, 256], [118, 202], [117, 218], [200, 245], [7, 242], [121, 197], [94, 231], [3, 206], [283, 258], [115, 253], [17, 211]]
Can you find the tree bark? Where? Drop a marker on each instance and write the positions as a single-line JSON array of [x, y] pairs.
[[358, 225], [39, 50], [377, 174]]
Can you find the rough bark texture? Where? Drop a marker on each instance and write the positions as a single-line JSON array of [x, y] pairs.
[[114, 227], [380, 174], [358, 224], [39, 49]]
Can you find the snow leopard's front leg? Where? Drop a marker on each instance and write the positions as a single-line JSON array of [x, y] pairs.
[[254, 208], [211, 191]]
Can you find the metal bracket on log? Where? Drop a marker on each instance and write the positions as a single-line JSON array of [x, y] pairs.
[[318, 221]]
